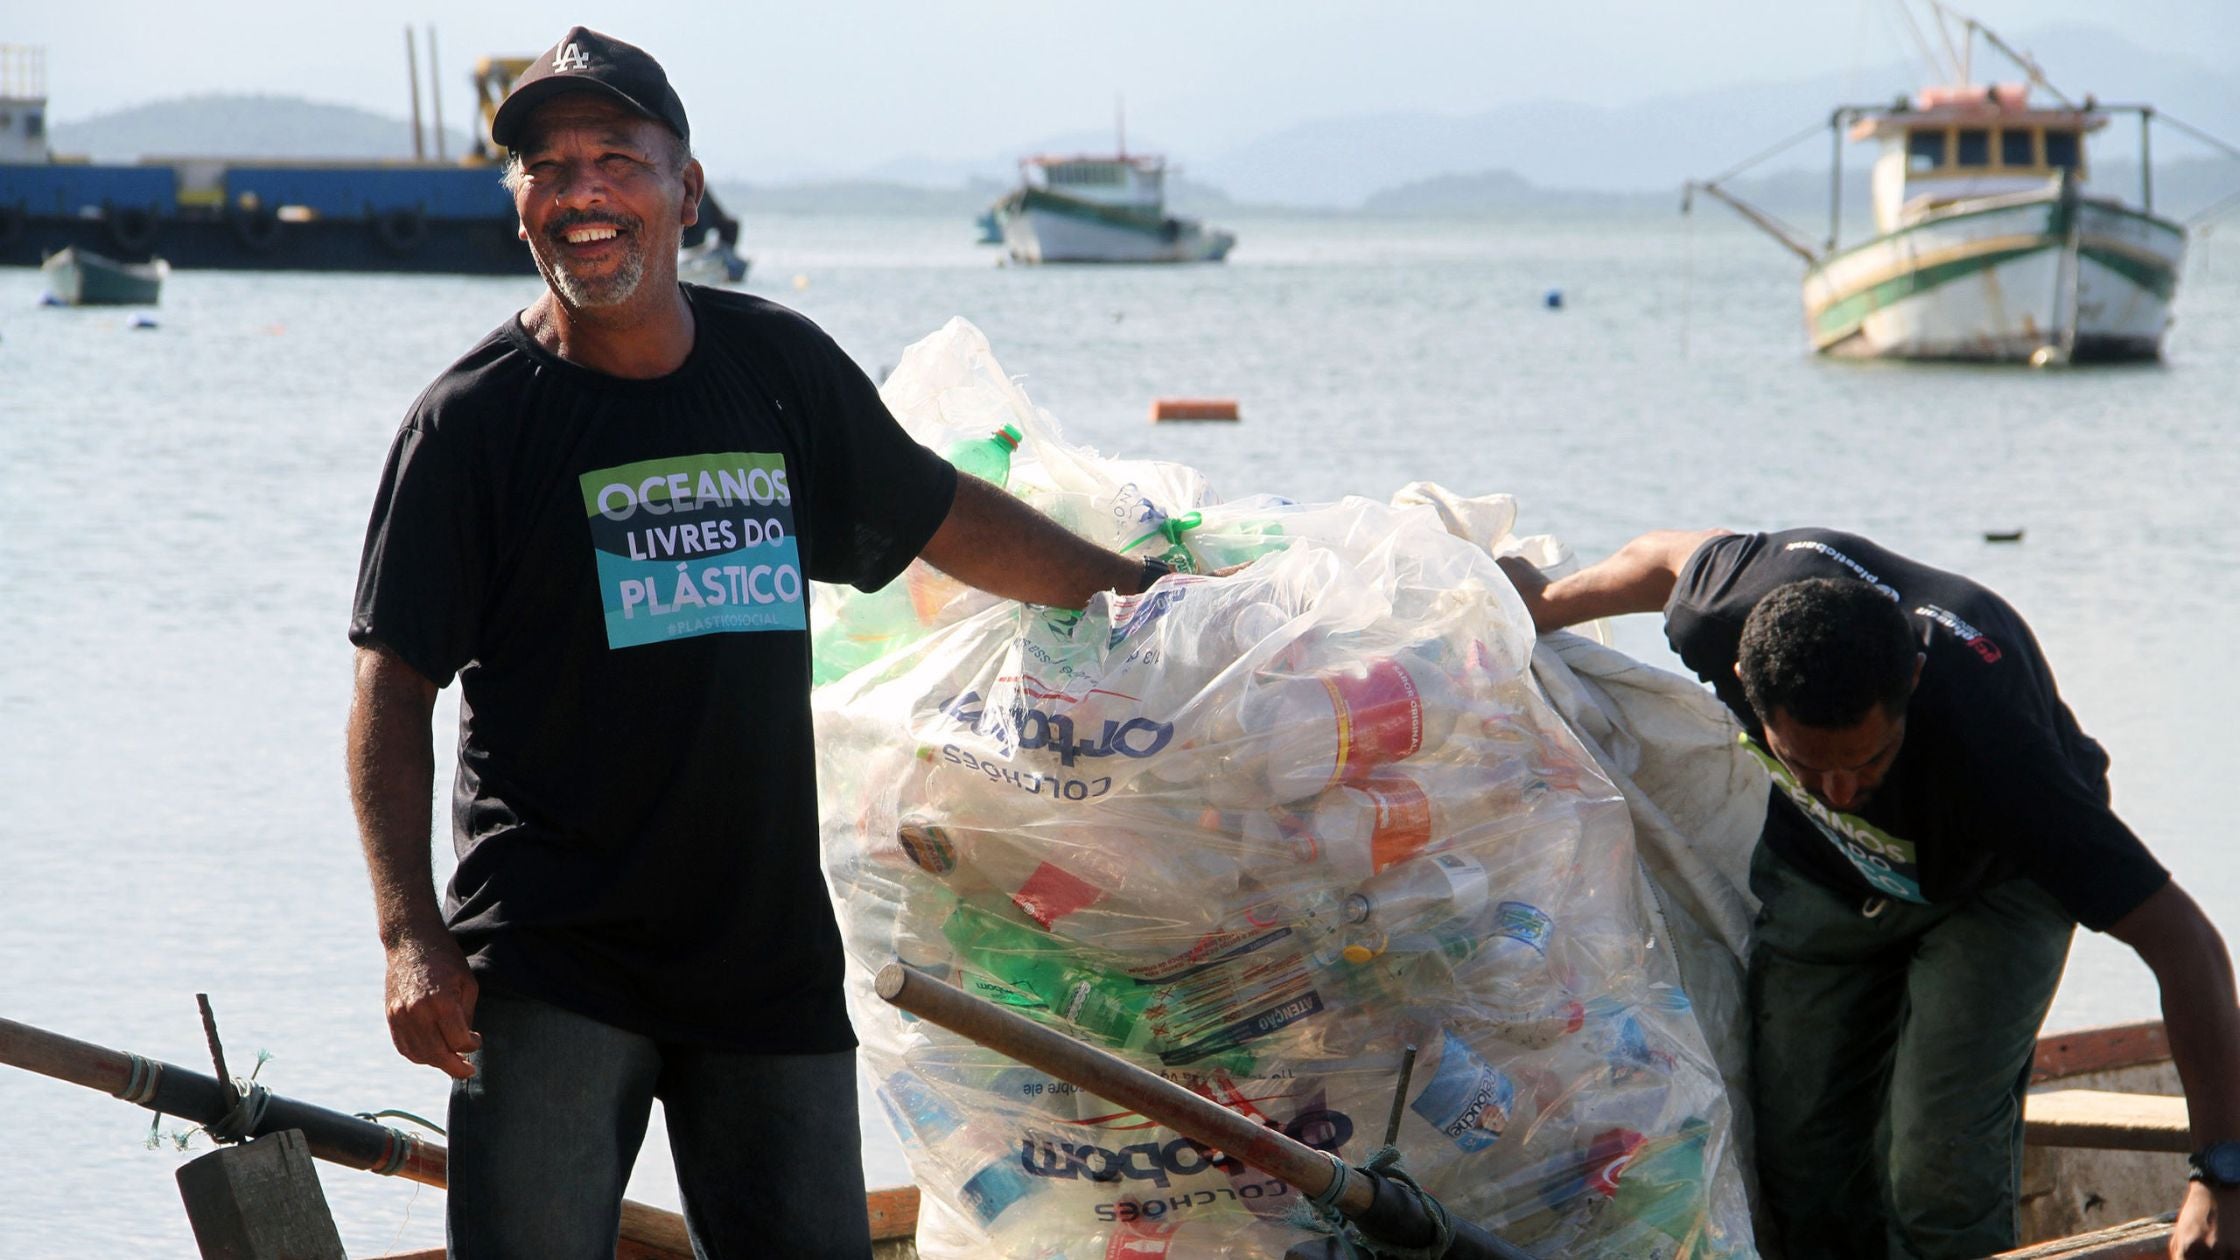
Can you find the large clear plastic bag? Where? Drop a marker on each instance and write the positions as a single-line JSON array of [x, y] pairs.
[[1261, 833]]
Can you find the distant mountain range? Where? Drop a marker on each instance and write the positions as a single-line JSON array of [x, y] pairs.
[[1657, 143], [1547, 152], [221, 125], [2181, 188]]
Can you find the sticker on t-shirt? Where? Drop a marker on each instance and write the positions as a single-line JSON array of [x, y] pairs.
[[695, 544], [1883, 860]]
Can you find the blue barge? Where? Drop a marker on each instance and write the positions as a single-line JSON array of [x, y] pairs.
[[261, 214]]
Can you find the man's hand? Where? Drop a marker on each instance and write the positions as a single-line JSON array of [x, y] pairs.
[[2197, 1235], [1531, 584], [431, 1002]]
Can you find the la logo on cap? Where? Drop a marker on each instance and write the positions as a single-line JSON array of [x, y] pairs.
[[571, 57]]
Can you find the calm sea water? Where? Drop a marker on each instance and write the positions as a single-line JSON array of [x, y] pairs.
[[182, 511]]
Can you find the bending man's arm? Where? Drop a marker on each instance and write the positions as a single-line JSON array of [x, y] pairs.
[[2202, 1014], [995, 542], [431, 994], [1637, 578]]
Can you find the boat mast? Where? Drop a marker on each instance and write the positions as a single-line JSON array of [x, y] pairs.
[[412, 75], [1120, 123], [1835, 173], [2022, 60], [435, 93]]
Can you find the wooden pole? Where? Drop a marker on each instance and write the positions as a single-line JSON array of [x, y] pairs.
[[1115, 1080], [1373, 1202], [648, 1232]]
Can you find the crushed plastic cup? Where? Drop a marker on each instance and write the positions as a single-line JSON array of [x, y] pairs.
[[1467, 1100]]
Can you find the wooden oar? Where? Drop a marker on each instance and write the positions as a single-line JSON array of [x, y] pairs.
[[648, 1233], [1378, 1205]]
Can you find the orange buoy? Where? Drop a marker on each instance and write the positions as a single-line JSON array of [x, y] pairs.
[[1193, 409]]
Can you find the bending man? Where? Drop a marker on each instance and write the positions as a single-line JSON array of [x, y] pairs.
[[1940, 825]]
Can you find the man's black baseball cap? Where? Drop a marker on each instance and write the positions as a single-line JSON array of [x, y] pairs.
[[585, 60]]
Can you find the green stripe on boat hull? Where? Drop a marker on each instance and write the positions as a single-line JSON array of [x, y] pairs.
[[1842, 317]]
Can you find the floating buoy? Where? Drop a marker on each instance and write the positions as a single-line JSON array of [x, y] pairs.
[[2002, 536], [1163, 409], [1553, 300]]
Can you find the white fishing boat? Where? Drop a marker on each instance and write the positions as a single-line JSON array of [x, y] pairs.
[[1101, 209], [1990, 242]]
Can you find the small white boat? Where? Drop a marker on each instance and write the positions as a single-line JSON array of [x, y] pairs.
[[1101, 209], [712, 261], [1989, 242], [80, 277]]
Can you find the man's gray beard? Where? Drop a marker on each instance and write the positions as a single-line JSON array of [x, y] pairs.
[[611, 290]]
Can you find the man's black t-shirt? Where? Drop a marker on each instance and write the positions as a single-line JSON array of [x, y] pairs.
[[1994, 779], [617, 572]]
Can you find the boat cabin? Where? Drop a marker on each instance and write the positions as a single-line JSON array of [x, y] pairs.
[[23, 104], [1121, 180], [1967, 141]]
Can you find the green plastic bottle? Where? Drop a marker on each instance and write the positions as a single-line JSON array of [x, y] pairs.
[[1052, 975], [987, 458]]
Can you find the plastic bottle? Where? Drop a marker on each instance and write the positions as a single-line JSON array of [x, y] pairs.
[[1400, 812], [1216, 1015], [1411, 896], [1341, 726], [985, 1169], [867, 625], [987, 458], [1661, 1186], [1050, 976]]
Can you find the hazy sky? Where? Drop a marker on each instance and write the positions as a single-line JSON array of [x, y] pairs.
[[840, 85]]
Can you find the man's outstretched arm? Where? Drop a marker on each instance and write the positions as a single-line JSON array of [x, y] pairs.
[[431, 994], [993, 541], [1638, 577], [2202, 1015]]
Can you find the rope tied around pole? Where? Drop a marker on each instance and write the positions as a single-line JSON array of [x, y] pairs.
[[140, 1082], [240, 1124], [1320, 1212]]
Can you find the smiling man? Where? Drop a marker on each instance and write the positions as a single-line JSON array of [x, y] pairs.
[[602, 521], [1939, 825]]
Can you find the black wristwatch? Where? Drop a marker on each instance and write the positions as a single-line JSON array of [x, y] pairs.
[[2217, 1164], [1153, 570]]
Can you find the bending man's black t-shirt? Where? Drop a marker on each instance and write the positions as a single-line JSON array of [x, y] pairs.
[[617, 572], [1995, 777]]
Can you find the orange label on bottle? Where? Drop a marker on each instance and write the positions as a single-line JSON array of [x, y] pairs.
[[1403, 820]]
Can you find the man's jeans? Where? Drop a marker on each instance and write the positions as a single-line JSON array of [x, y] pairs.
[[1890, 1050], [544, 1134]]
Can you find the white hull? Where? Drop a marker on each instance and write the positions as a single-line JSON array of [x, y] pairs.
[[2030, 278], [1033, 234]]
